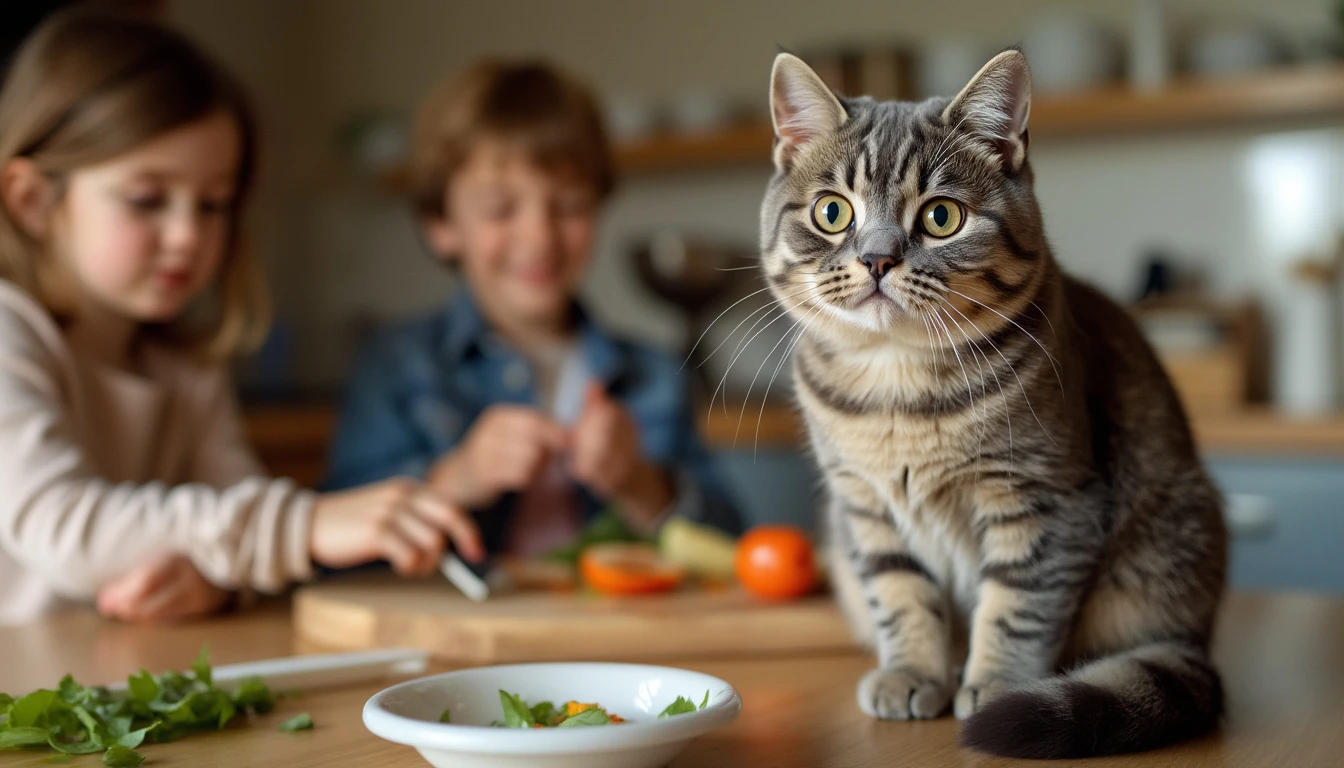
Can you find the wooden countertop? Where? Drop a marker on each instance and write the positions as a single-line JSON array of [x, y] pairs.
[[1282, 658]]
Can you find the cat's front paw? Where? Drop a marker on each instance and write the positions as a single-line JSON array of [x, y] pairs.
[[973, 696], [897, 694]]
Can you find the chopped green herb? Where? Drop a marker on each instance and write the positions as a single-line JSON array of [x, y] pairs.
[[683, 706], [446, 717], [121, 757], [516, 713], [300, 722], [543, 713], [11, 738], [72, 719], [253, 695], [594, 716]]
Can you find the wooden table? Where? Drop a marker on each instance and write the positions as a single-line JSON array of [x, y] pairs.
[[1282, 657]]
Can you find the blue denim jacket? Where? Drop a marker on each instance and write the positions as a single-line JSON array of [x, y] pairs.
[[418, 387]]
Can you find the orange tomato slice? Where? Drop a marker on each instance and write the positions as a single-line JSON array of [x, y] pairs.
[[628, 569]]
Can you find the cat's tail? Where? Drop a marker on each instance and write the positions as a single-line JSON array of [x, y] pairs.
[[1140, 699]]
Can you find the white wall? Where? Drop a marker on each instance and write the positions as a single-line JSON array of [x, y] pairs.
[[339, 248]]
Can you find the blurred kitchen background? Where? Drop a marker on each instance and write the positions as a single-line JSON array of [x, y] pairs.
[[1189, 158]]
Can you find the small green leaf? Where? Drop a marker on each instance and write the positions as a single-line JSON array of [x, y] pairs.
[[26, 710], [133, 739], [705, 703], [201, 667], [516, 713], [121, 757], [446, 717], [300, 722], [82, 747], [253, 695], [543, 713], [70, 691], [6, 701], [172, 685], [679, 707], [142, 687], [226, 710], [592, 716], [26, 736], [91, 741]]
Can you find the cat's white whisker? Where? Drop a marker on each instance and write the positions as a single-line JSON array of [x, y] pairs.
[[964, 375], [1015, 324], [1011, 368], [724, 379], [980, 433], [760, 416], [746, 401], [703, 333], [774, 302]]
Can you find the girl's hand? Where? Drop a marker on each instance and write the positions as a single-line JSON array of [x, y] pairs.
[[167, 589], [506, 449], [396, 520]]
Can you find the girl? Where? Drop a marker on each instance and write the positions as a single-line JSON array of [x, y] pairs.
[[125, 159]]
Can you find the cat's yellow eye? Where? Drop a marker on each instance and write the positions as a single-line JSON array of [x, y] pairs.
[[941, 217], [832, 214]]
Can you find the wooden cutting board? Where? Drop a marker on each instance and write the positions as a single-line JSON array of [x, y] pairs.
[[354, 613]]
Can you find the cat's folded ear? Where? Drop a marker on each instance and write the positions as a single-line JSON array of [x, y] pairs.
[[995, 106], [802, 106]]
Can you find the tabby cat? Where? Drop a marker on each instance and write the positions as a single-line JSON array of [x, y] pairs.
[[1019, 520]]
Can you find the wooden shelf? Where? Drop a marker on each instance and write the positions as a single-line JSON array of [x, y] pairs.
[[744, 144], [1290, 94], [1282, 95]]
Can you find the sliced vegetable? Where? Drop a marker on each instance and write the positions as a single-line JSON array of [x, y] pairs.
[[702, 550], [605, 528], [628, 569], [546, 715]]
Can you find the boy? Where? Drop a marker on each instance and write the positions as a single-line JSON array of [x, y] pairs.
[[510, 401]]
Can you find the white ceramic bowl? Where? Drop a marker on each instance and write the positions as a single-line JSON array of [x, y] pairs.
[[408, 714]]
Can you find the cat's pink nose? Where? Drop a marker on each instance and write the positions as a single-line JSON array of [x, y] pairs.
[[879, 264]]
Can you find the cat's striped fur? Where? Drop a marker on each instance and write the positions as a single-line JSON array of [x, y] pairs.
[[1022, 527]]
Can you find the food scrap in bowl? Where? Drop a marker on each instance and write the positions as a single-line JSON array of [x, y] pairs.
[[518, 714]]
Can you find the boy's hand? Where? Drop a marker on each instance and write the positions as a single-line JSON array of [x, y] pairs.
[[397, 520], [167, 589], [506, 449], [605, 457]]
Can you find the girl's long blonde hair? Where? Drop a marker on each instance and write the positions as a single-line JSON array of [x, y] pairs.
[[88, 86]]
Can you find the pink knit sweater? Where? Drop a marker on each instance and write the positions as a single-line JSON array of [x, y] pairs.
[[101, 469]]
